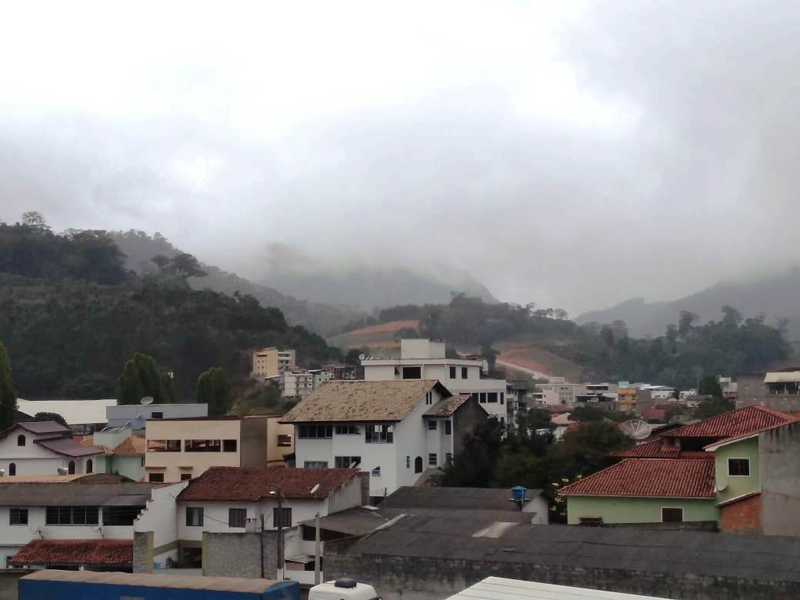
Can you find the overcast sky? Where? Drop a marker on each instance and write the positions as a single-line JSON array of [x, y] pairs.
[[569, 154]]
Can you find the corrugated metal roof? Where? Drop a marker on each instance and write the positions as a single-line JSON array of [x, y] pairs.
[[75, 412], [188, 582], [76, 494], [493, 588], [361, 401], [105, 552], [650, 478]]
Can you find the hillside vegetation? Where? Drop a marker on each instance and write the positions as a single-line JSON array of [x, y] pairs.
[[72, 314]]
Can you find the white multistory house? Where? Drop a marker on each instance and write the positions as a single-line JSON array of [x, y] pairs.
[[395, 430], [426, 359], [228, 500], [46, 448], [69, 515]]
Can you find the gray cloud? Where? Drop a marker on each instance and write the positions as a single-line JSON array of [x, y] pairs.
[[618, 149]]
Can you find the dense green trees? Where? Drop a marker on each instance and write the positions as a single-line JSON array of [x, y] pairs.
[[141, 377], [51, 416], [214, 389], [8, 399], [709, 386]]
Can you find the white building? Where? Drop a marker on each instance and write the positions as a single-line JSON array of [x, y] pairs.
[[235, 500], [136, 416], [46, 448], [393, 429], [425, 359], [561, 393], [299, 384], [74, 511], [83, 416]]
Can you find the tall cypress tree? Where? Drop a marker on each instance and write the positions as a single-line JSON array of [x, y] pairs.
[[129, 385], [8, 399], [214, 389]]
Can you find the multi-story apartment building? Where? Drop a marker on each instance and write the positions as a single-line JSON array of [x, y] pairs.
[[559, 393], [46, 448], [425, 359], [272, 362], [182, 449], [393, 429]]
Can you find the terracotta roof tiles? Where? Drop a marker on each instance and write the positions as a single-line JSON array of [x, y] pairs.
[[104, 552], [649, 478], [742, 421], [235, 484]]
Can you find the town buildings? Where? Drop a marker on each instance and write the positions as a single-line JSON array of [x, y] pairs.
[[272, 362], [425, 359], [299, 384], [559, 393], [69, 513], [180, 449], [135, 416], [714, 471], [123, 451], [45, 448], [395, 430]]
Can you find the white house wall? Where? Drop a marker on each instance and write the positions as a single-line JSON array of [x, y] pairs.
[[161, 517], [33, 459]]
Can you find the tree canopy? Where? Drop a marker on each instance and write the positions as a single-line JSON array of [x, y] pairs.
[[214, 390], [8, 399]]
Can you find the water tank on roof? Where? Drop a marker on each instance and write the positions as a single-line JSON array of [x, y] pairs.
[[518, 493]]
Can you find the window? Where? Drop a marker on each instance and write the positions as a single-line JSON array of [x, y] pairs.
[[73, 515], [483, 398], [448, 428], [203, 445], [156, 478], [194, 516], [282, 517], [491, 397], [310, 432], [121, 515], [315, 464], [672, 515], [157, 415], [12, 469], [21, 441], [464, 372], [348, 430], [739, 467], [89, 466], [448, 458], [71, 467], [284, 440], [18, 516], [230, 445], [433, 458], [418, 465], [186, 476], [432, 424], [237, 517], [408, 462], [429, 398], [380, 434], [163, 445], [412, 372], [347, 462], [376, 472], [502, 397], [452, 372]]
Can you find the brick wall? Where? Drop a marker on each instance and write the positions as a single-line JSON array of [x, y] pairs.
[[237, 554], [743, 516]]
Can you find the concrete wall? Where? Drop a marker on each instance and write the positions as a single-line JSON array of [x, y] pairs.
[[137, 414], [253, 444], [730, 486], [637, 510], [276, 453], [237, 554], [413, 578], [780, 480], [9, 583], [466, 418], [751, 390], [160, 517]]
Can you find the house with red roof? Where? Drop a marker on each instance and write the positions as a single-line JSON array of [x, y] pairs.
[[713, 470]]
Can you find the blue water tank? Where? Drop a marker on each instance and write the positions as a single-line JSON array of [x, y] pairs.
[[519, 493]]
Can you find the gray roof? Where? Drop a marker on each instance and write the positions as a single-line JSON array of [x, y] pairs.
[[68, 447], [75, 494], [453, 497], [40, 427], [453, 537]]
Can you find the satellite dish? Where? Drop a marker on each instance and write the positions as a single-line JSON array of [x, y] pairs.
[[637, 429], [146, 400], [314, 489], [362, 356]]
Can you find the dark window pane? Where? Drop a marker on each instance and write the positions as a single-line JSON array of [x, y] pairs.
[[230, 445], [237, 517], [412, 373]]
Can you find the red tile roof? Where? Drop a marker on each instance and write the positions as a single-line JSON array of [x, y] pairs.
[[104, 552], [649, 478], [659, 448], [250, 485], [742, 421], [654, 413]]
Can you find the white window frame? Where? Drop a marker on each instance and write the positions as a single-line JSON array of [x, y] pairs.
[[680, 508], [749, 469]]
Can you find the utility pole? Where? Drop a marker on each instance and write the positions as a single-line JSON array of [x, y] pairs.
[[261, 541], [317, 552], [280, 533]]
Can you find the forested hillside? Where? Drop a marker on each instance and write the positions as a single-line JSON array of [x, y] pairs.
[[685, 353], [72, 314]]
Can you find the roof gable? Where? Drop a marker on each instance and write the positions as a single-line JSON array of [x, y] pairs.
[[649, 478], [362, 401]]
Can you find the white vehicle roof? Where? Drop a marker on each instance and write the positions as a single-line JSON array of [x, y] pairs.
[[330, 591], [498, 588]]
